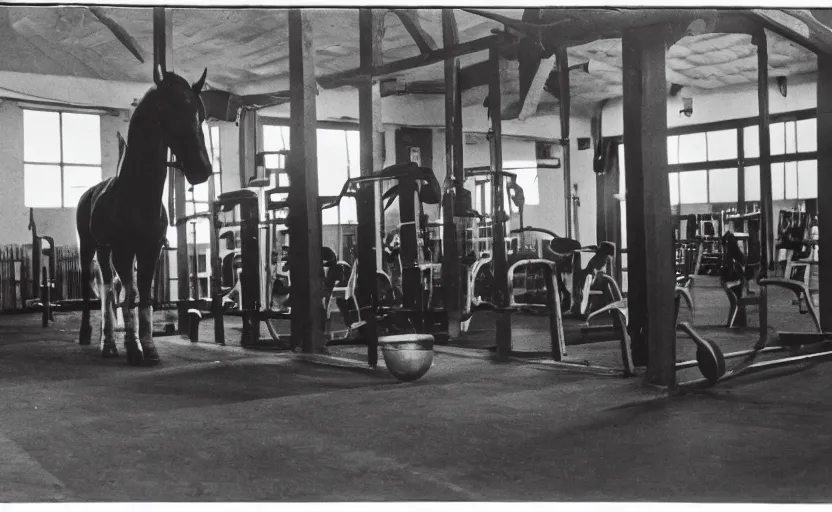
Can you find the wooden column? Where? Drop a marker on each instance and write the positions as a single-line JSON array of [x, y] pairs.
[[649, 226], [503, 327], [451, 269], [304, 224], [564, 102], [163, 55], [766, 233], [368, 123], [825, 188]]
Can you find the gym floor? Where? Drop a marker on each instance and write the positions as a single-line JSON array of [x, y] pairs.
[[223, 424]]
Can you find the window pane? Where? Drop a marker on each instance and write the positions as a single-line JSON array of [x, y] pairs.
[[622, 174], [275, 162], [723, 186], [752, 183], [673, 179], [42, 186], [751, 141], [81, 138], [200, 192], [791, 180], [693, 148], [673, 149], [807, 135], [623, 210], [722, 145], [275, 137], [778, 182], [693, 187], [332, 161], [41, 137], [777, 132], [76, 181], [791, 138], [354, 153], [528, 181], [807, 179]]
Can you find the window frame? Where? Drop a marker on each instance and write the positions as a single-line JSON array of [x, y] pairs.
[[61, 163]]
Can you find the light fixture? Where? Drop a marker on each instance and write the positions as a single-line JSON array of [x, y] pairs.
[[687, 107]]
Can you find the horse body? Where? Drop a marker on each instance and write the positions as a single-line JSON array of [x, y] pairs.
[[123, 219]]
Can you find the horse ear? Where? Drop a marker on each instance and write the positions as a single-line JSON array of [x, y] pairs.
[[158, 75], [197, 87]]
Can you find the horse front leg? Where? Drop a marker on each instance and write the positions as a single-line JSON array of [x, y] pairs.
[[146, 267], [108, 342], [123, 261]]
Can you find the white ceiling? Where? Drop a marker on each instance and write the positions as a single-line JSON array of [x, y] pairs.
[[246, 50]]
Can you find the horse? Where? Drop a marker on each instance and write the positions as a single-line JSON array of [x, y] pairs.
[[123, 221]]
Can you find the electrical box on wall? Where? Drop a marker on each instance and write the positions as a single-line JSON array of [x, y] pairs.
[[584, 143]]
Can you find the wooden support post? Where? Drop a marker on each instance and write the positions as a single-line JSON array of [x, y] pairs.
[[766, 232], [503, 327], [825, 188], [563, 82], [649, 225], [368, 233], [304, 225], [451, 269], [163, 55]]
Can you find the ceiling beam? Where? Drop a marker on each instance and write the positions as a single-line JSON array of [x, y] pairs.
[[531, 98], [411, 22], [798, 26], [120, 32]]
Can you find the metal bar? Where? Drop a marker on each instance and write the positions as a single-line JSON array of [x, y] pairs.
[[503, 327], [563, 81], [766, 232]]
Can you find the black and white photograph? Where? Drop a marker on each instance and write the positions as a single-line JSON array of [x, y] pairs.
[[374, 255]]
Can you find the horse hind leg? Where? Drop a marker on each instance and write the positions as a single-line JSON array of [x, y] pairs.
[[146, 262], [87, 271], [108, 342]]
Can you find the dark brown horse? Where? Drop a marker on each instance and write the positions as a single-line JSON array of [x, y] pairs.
[[123, 220]]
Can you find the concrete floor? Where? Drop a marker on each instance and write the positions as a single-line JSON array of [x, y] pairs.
[[223, 424]]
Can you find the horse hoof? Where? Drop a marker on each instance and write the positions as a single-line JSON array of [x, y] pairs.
[[134, 353], [151, 357], [109, 350]]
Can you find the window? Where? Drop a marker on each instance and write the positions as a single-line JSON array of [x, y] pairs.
[[338, 160], [751, 141], [673, 149], [61, 157], [791, 180], [752, 183], [527, 178], [778, 181], [807, 179], [807, 135], [722, 145], [693, 147], [693, 187], [673, 179], [723, 186]]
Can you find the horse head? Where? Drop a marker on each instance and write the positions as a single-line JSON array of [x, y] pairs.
[[181, 116]]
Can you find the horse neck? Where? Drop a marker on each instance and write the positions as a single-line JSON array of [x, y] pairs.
[[141, 179]]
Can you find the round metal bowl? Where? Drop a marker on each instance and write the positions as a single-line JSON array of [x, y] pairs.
[[407, 356]]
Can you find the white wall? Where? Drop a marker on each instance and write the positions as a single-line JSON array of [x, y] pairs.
[[725, 104]]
